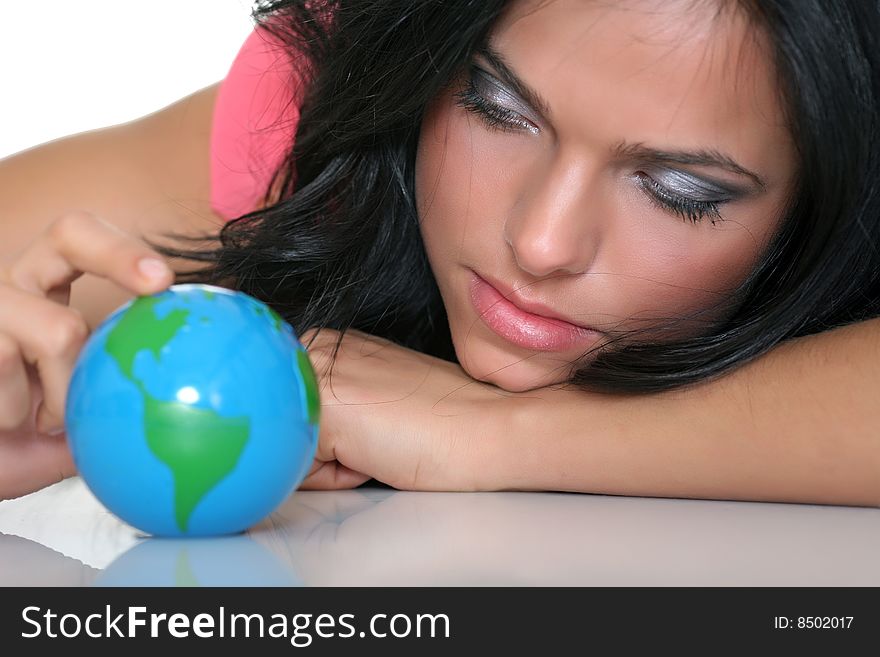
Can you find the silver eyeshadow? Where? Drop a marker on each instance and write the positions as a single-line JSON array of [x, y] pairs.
[[495, 92], [689, 186]]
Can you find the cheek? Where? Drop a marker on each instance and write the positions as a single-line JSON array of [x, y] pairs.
[[462, 190], [679, 270]]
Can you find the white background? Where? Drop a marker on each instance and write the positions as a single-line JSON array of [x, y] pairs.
[[67, 66]]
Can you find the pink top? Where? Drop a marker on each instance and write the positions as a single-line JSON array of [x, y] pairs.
[[255, 118]]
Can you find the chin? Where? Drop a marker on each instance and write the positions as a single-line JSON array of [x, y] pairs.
[[512, 372]]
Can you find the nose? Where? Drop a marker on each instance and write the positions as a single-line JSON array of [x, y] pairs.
[[553, 227]]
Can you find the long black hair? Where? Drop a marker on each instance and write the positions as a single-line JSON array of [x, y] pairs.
[[338, 243]]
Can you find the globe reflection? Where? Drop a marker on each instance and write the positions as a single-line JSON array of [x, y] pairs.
[[181, 562]]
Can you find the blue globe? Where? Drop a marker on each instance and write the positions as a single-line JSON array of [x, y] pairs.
[[193, 412]]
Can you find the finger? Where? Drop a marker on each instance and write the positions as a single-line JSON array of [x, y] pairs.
[[80, 242], [15, 397], [322, 343], [332, 475], [49, 337], [32, 461], [309, 336]]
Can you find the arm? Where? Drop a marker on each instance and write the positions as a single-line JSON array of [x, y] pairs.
[[147, 176], [800, 424]]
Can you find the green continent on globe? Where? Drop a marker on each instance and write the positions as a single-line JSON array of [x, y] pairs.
[[198, 445], [139, 329], [313, 402]]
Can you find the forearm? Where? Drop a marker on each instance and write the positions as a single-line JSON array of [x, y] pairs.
[[800, 424]]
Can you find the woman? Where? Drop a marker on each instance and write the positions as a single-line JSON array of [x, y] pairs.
[[548, 207]]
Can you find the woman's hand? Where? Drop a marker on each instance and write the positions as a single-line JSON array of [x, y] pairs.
[[407, 419], [41, 337]]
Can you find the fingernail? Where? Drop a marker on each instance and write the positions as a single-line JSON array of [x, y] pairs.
[[153, 268], [50, 430]]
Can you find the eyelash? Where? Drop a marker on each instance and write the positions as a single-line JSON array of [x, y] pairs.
[[687, 208], [495, 117]]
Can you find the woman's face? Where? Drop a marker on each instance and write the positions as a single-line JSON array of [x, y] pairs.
[[632, 171]]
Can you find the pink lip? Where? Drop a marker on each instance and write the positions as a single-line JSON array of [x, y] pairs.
[[522, 328]]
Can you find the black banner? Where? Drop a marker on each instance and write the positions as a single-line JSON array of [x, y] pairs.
[[438, 620]]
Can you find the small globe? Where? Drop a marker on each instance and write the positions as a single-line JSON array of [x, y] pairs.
[[193, 412]]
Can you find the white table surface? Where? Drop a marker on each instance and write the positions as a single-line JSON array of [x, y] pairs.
[[62, 536]]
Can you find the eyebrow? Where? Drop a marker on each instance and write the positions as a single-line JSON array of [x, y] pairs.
[[702, 157], [512, 80]]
